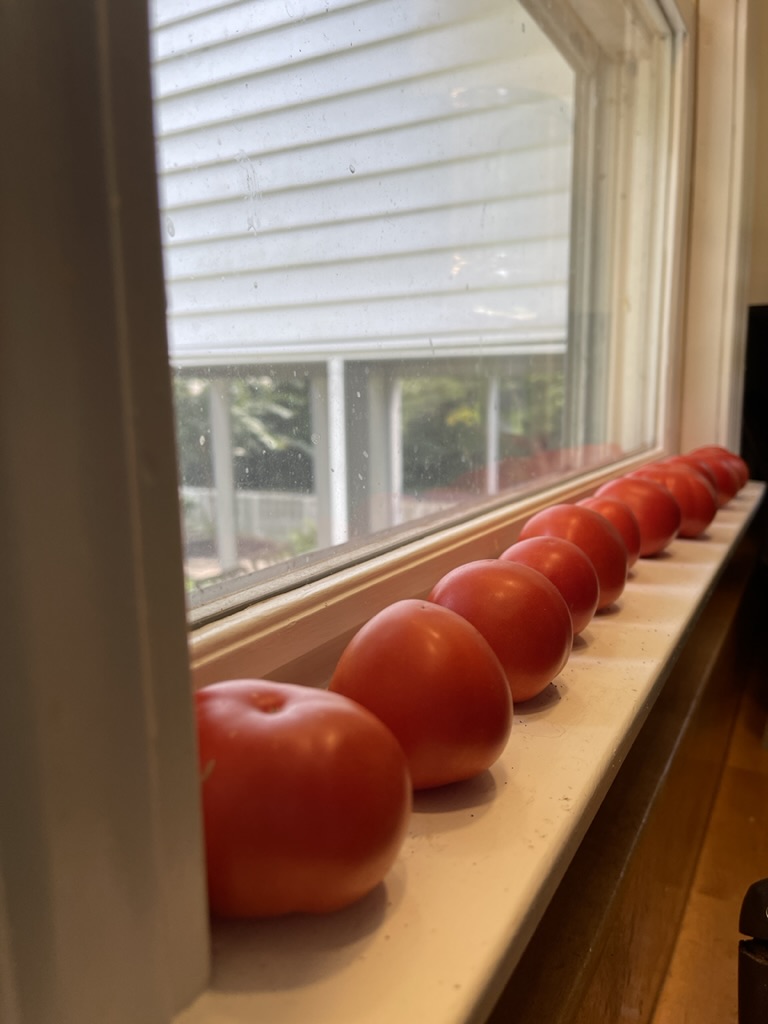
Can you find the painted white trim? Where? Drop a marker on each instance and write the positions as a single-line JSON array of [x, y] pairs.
[[223, 473], [715, 334], [104, 907]]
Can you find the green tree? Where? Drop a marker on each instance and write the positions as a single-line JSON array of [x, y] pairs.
[[443, 432], [270, 423]]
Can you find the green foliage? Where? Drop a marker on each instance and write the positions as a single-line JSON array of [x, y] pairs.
[[271, 433], [443, 431], [443, 422], [193, 430], [270, 426], [532, 411]]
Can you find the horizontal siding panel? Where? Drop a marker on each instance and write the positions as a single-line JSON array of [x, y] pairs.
[[169, 12], [376, 36], [450, 270], [403, 349], [184, 26], [229, 118], [408, 64], [528, 141], [308, 64], [513, 180], [502, 223], [522, 119], [480, 312], [361, 178]]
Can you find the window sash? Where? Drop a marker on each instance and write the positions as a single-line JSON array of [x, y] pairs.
[[78, 72]]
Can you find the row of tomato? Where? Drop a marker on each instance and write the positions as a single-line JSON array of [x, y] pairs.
[[307, 793]]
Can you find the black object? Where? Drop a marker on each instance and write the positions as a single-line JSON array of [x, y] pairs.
[[754, 424], [753, 955]]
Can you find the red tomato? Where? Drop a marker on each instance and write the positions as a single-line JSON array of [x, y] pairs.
[[700, 466], [565, 565], [435, 682], [727, 473], [692, 492], [623, 518], [521, 615], [656, 511], [726, 480], [306, 798], [733, 460], [599, 540]]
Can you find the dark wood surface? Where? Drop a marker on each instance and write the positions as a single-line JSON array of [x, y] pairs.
[[701, 984], [603, 951]]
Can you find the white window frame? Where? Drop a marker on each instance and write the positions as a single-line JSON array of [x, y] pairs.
[[102, 913]]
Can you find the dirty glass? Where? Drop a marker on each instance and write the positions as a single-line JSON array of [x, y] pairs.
[[412, 262]]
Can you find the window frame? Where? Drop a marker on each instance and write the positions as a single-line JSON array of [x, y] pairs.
[[92, 225], [333, 604]]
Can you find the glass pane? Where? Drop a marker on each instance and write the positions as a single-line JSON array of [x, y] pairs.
[[412, 254]]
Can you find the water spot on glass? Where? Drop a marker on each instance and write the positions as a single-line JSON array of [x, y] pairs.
[[352, 168], [170, 227], [359, 476], [202, 440], [255, 284], [315, 439], [358, 394], [365, 454]]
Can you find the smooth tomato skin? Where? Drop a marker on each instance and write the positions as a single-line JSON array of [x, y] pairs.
[[623, 518], [700, 466], [565, 565], [737, 464], [692, 492], [431, 677], [519, 612], [599, 539], [306, 798], [727, 474], [657, 513]]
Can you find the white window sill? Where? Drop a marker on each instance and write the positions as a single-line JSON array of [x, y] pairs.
[[436, 942]]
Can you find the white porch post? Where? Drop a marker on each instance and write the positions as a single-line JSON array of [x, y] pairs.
[[337, 450], [395, 419], [329, 439], [223, 474], [492, 431]]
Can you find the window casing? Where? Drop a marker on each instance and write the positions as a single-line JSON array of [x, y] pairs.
[[54, 200]]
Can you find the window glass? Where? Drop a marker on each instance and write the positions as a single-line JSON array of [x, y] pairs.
[[414, 261]]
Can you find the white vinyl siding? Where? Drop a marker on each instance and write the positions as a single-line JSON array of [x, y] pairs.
[[374, 181]]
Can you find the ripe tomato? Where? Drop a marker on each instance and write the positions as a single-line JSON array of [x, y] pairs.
[[306, 798], [690, 489], [519, 612], [565, 565], [724, 477], [599, 540], [432, 678], [700, 466], [656, 511], [728, 474], [733, 460], [623, 518]]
